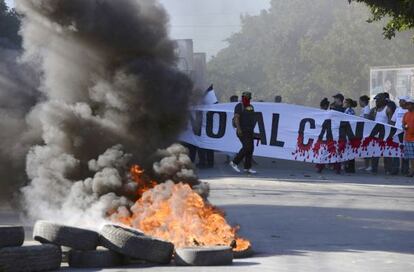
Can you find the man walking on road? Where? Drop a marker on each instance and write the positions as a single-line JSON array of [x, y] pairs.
[[245, 121]]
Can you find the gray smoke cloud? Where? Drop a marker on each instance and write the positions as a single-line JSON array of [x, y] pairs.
[[112, 97], [175, 164]]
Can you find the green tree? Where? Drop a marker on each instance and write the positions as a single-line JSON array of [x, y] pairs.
[[401, 13], [326, 47], [9, 27]]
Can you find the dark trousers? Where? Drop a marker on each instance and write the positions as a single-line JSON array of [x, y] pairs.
[[337, 167], [350, 166], [387, 165], [192, 151], [246, 152], [400, 164], [206, 157], [405, 166]]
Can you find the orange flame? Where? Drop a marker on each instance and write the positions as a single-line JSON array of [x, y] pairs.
[[174, 212], [143, 182]]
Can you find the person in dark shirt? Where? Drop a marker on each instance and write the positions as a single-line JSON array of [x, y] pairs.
[[245, 122], [234, 99], [278, 99], [324, 105], [338, 104]]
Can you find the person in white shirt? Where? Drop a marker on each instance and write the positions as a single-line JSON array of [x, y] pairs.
[[381, 114], [397, 121], [206, 156], [364, 104], [365, 113], [398, 115]]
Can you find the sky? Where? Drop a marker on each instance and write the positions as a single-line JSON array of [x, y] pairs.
[[208, 22]]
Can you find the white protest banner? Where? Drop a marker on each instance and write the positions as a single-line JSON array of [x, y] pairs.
[[294, 132]]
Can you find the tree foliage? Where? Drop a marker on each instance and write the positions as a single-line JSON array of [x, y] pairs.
[[306, 50], [9, 27], [401, 13]]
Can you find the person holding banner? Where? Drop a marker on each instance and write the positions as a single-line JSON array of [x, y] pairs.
[[349, 109], [206, 156], [364, 104], [365, 113], [381, 114], [397, 120], [408, 125], [338, 104], [324, 105], [245, 121]]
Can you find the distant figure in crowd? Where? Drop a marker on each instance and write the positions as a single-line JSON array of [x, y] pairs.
[[324, 105], [245, 122], [391, 108], [278, 99], [408, 124], [397, 120], [365, 113], [338, 104], [381, 114], [349, 106], [206, 156], [349, 109], [364, 104], [233, 99]]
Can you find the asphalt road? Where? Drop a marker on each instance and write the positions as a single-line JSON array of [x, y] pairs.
[[298, 220]]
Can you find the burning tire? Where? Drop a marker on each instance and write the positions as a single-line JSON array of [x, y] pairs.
[[136, 245], [75, 238], [247, 253], [30, 258], [100, 258], [204, 256], [11, 236]]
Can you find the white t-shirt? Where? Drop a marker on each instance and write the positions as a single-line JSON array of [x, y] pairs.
[[365, 111], [398, 117], [382, 116]]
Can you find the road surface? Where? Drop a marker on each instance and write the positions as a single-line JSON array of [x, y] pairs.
[[298, 220]]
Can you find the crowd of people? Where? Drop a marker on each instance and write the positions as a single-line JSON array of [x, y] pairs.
[[385, 111]]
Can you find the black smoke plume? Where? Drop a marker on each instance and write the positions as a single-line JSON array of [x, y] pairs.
[[112, 97]]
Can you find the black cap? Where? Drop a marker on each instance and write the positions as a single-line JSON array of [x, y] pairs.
[[247, 94], [339, 96], [381, 96]]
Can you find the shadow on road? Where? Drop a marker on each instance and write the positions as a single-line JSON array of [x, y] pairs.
[[282, 230]]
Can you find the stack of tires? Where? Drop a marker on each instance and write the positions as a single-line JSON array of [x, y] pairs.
[[81, 248], [16, 257], [113, 246]]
